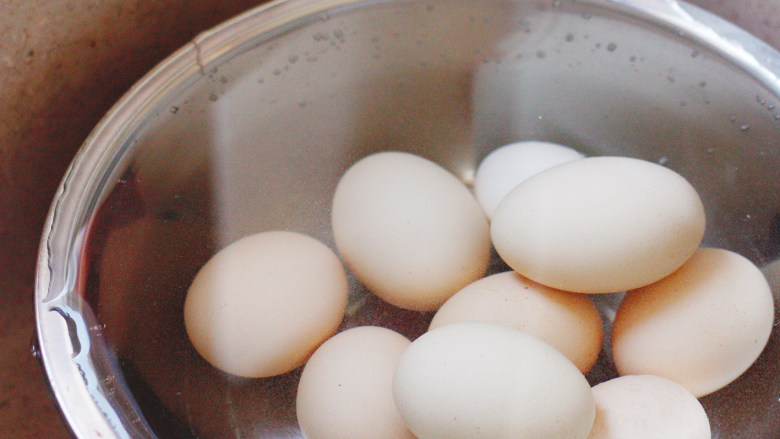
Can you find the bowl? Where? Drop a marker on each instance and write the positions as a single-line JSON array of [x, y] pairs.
[[250, 126]]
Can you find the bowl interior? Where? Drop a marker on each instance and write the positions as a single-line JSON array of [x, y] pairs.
[[255, 138]]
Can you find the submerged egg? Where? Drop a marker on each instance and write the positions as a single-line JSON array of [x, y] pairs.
[[701, 327], [599, 225], [346, 388], [261, 305], [647, 407], [409, 230], [474, 379], [568, 321], [506, 167]]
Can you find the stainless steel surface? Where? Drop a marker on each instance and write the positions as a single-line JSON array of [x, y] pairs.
[[249, 128]]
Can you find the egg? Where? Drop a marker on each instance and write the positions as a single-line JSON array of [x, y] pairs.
[[409, 230], [599, 225], [568, 321], [506, 167], [701, 327], [260, 306], [346, 388], [476, 379], [647, 407]]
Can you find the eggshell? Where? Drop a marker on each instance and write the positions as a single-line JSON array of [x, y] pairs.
[[261, 305], [346, 388], [702, 327], [409, 230], [506, 167], [475, 379], [568, 321], [647, 407], [599, 225]]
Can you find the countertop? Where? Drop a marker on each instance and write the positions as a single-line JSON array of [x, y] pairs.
[[62, 65]]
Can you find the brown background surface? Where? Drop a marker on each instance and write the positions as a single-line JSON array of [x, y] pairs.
[[63, 63]]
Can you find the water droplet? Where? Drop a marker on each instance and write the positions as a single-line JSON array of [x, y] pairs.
[[540, 54], [663, 160], [556, 3], [339, 35], [223, 79], [777, 116], [760, 100], [632, 59], [292, 59], [703, 84], [587, 15], [611, 47], [174, 110], [770, 106], [213, 97], [695, 53], [302, 103], [569, 37], [709, 150], [744, 127], [277, 72], [732, 118], [670, 79], [321, 36]]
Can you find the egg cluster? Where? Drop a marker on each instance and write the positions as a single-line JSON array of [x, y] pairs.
[[505, 354]]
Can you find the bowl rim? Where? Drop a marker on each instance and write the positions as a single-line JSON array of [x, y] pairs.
[[63, 335]]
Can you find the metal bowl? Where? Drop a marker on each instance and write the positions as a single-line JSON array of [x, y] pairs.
[[249, 127]]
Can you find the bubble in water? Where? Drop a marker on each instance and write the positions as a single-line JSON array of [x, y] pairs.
[[292, 58], [611, 47], [277, 72], [703, 84], [569, 37], [540, 54]]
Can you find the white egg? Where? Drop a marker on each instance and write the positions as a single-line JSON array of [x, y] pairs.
[[409, 230], [647, 407], [701, 327], [468, 380], [599, 225], [346, 388], [568, 321], [506, 167], [261, 305]]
